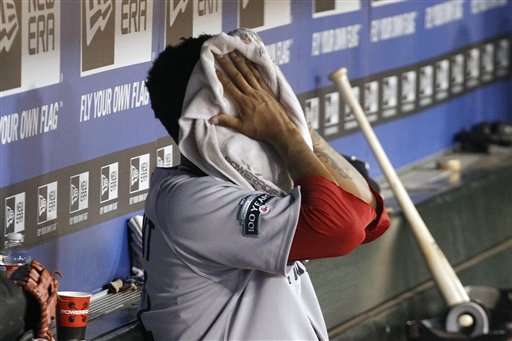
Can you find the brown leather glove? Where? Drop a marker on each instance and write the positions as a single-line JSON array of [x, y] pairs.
[[40, 287]]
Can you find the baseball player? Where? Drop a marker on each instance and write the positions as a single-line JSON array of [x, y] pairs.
[[225, 262]]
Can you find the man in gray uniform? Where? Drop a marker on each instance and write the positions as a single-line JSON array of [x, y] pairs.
[[225, 262]]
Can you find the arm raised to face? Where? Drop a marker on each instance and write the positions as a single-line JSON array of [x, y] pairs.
[[262, 117]]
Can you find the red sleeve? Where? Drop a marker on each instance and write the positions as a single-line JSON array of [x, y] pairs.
[[381, 222], [333, 222]]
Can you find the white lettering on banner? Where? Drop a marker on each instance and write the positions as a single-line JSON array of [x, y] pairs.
[[31, 122], [478, 6], [138, 198], [85, 107], [97, 14], [280, 51], [140, 94], [9, 128], [102, 102], [78, 218], [121, 97], [41, 26], [393, 27], [337, 39], [108, 208], [113, 100], [443, 13], [175, 10], [49, 117], [46, 229], [10, 25]]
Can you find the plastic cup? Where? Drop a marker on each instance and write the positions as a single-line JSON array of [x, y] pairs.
[[72, 314]]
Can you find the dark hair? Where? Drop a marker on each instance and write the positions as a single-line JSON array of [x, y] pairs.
[[167, 80]]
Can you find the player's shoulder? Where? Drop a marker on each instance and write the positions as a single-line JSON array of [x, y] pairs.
[[180, 181]]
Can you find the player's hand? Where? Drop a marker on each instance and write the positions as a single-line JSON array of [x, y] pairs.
[[260, 115]]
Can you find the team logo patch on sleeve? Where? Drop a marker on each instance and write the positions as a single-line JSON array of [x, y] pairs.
[[251, 208]]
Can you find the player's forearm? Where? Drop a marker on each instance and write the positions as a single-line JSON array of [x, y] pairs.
[[300, 159], [346, 176]]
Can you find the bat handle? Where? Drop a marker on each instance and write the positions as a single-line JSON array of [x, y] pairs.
[[445, 277]]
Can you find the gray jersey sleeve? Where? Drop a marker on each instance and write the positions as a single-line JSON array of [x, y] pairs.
[[214, 226]]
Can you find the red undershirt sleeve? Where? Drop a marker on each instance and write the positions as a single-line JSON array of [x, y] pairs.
[[333, 222]]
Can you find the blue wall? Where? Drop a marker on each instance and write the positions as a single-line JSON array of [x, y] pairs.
[[72, 173]]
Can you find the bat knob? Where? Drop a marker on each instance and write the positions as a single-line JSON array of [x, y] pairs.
[[338, 74], [465, 320]]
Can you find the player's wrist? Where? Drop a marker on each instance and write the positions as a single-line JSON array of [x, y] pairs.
[[286, 140]]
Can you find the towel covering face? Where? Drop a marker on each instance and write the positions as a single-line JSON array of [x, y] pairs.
[[222, 152]]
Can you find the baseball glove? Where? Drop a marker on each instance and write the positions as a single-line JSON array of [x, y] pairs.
[[40, 287]]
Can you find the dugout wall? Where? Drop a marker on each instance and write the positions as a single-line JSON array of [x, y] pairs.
[[77, 135]]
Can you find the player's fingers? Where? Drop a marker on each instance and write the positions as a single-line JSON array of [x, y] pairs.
[[225, 120], [233, 74], [258, 76], [242, 64], [229, 88]]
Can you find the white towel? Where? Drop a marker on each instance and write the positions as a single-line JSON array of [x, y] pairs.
[[221, 152]]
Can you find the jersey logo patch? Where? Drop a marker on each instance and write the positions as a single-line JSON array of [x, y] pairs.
[[251, 208]]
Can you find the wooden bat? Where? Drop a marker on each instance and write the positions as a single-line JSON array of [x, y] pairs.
[[449, 284]]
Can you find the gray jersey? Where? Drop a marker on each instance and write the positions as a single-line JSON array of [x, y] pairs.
[[215, 258]]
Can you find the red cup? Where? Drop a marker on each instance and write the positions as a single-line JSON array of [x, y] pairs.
[[72, 314]]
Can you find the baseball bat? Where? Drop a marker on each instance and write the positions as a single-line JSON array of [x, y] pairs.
[[445, 277]]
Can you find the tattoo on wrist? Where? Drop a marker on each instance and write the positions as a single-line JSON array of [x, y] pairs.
[[331, 163], [332, 159]]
